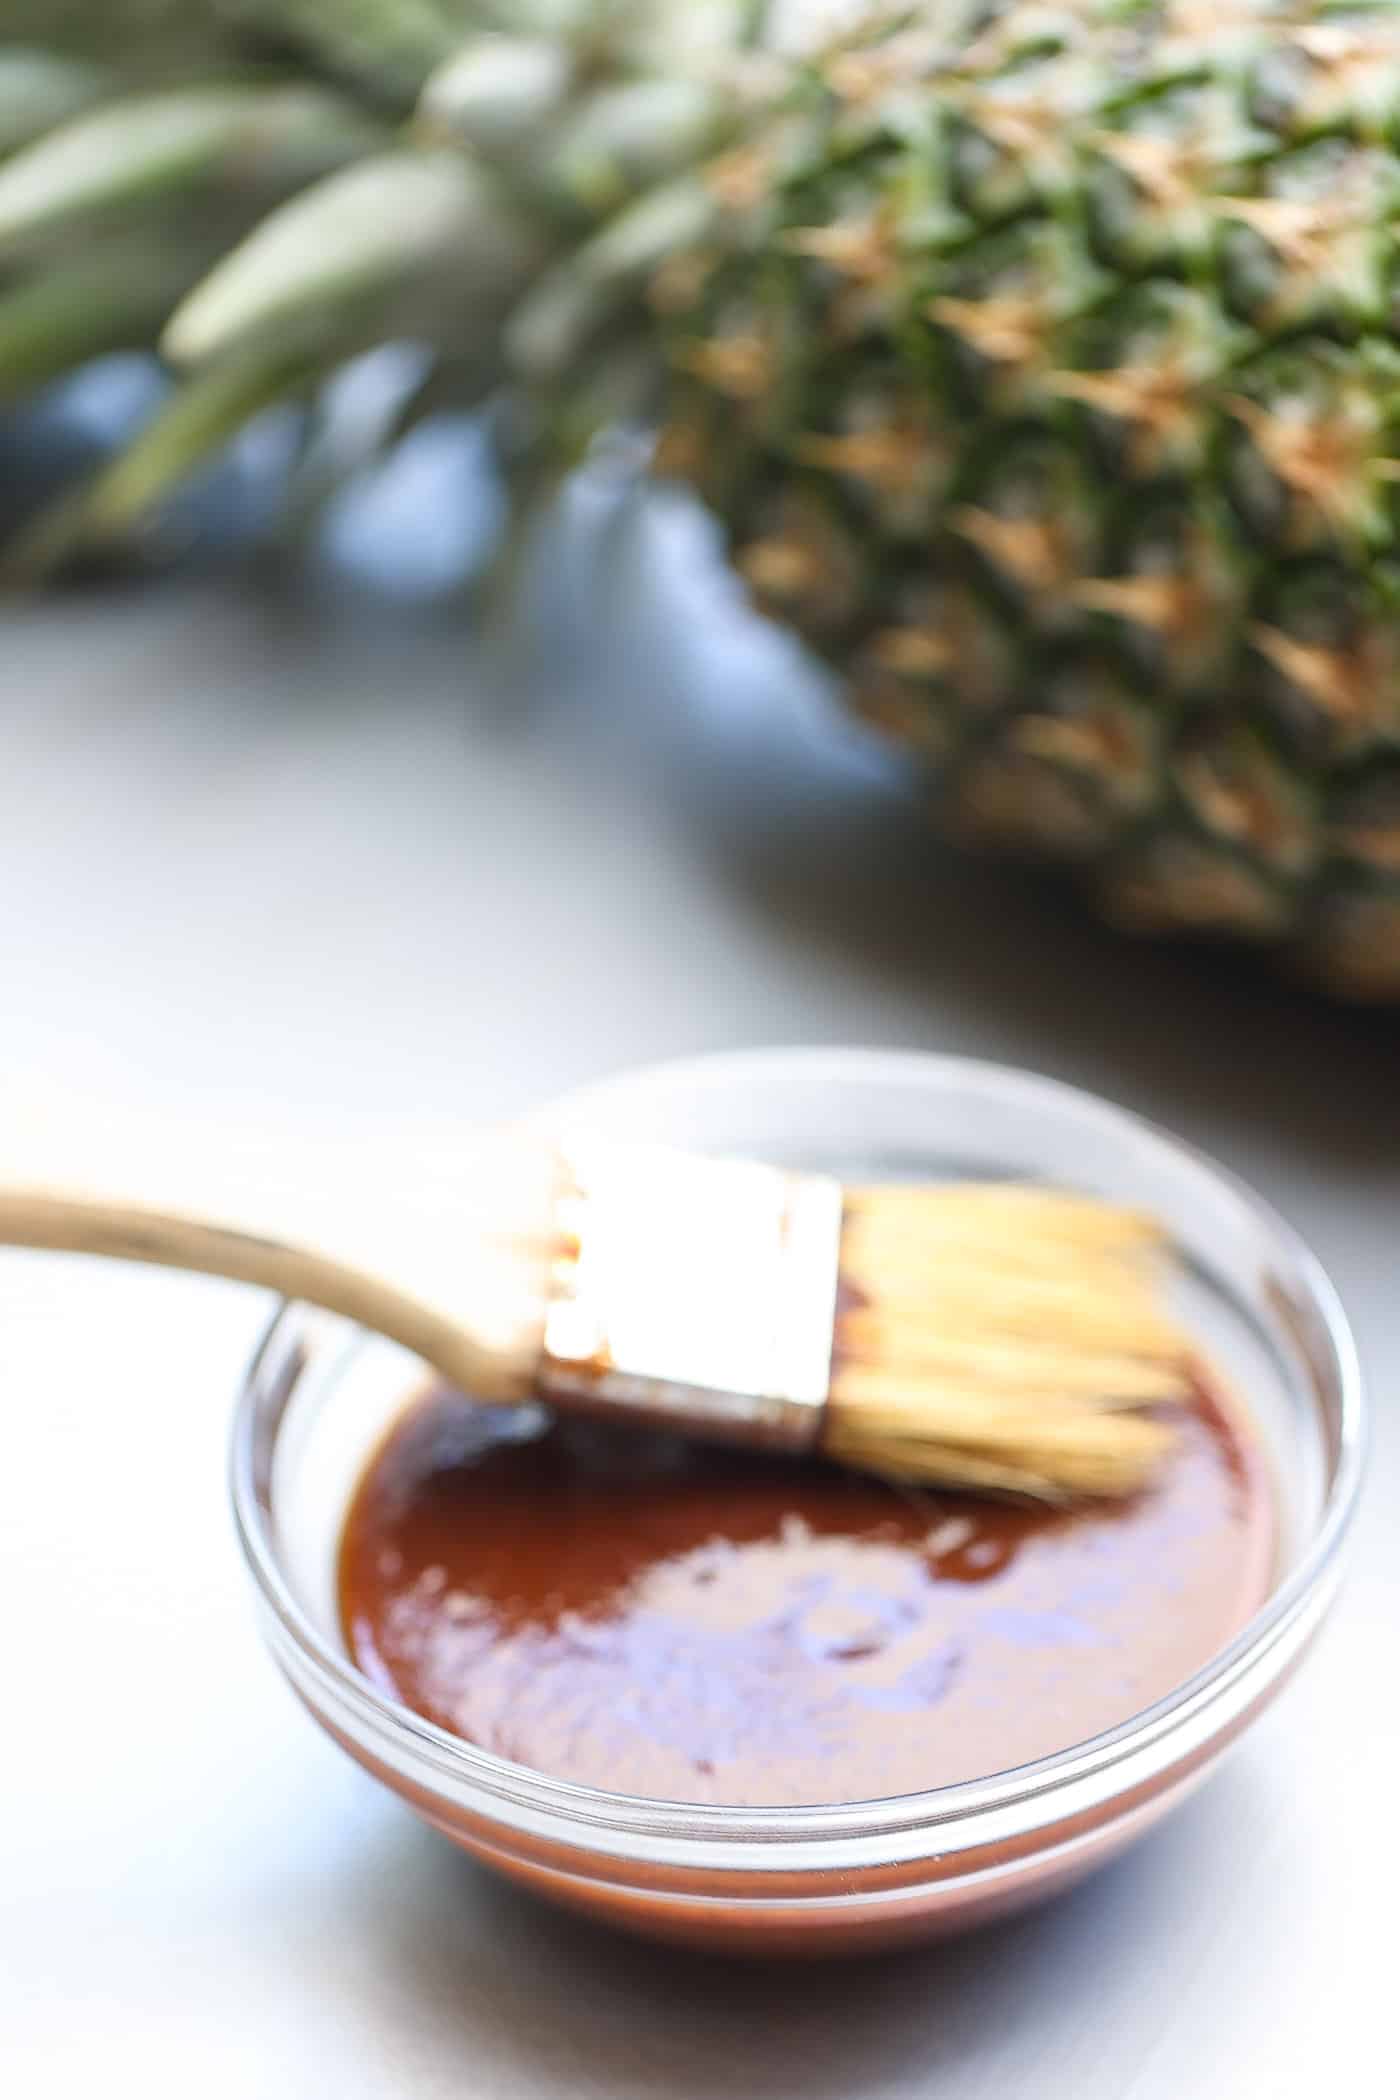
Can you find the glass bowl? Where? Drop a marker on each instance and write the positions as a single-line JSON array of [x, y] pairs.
[[852, 1875]]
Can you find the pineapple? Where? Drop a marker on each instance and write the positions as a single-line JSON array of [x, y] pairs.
[[1040, 358]]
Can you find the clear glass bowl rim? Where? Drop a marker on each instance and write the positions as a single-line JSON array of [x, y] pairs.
[[509, 1791]]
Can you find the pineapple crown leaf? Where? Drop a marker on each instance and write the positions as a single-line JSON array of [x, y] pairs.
[[156, 146], [362, 232], [40, 90]]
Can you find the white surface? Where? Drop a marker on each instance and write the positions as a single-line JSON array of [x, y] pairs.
[[264, 871]]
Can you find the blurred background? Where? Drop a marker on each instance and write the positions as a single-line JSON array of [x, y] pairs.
[[326, 859]]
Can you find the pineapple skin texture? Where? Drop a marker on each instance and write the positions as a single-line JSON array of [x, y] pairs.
[[1040, 361], [1045, 377]]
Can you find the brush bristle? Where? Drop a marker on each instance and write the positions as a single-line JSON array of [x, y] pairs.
[[1003, 1339]]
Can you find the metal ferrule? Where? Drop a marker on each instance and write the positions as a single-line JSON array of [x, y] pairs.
[[695, 1294]]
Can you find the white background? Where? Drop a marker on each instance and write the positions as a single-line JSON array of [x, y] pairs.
[[310, 871]]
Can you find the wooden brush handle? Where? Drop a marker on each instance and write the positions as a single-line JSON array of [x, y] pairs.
[[420, 1294]]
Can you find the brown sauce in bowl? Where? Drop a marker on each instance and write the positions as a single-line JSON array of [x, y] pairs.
[[620, 1609]]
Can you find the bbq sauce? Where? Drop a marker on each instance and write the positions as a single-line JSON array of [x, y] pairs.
[[621, 1609]]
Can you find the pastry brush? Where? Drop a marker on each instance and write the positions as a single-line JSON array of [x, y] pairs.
[[986, 1336]]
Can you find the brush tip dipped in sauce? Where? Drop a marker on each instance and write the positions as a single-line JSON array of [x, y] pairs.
[[619, 1609]]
